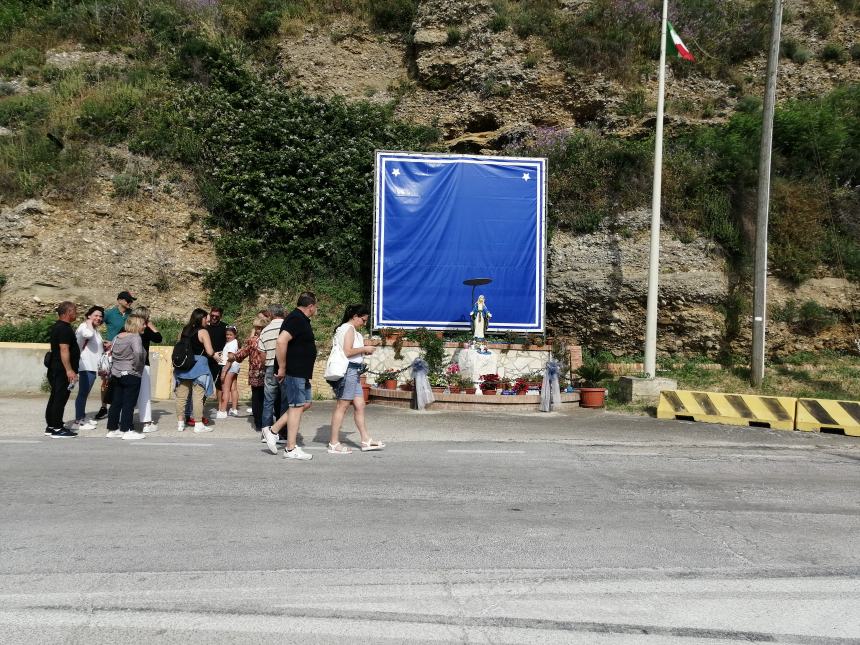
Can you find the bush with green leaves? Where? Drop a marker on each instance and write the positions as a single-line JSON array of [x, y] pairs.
[[30, 331]]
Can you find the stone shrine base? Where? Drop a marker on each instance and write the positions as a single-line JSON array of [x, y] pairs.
[[472, 402]]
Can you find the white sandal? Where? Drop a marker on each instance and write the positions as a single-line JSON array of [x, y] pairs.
[[339, 449], [371, 444]]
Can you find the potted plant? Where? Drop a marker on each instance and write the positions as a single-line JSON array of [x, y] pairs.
[[438, 382], [467, 384], [521, 386], [387, 379], [408, 386], [489, 384], [453, 374], [590, 395]]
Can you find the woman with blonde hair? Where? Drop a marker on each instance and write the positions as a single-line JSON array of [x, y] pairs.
[[125, 374], [150, 334]]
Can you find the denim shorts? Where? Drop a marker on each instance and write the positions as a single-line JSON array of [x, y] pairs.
[[349, 387], [298, 391]]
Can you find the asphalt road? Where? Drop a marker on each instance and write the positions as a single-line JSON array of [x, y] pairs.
[[580, 528]]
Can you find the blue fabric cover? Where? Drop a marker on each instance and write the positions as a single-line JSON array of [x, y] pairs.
[[441, 219]]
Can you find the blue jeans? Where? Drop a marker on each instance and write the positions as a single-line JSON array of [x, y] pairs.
[[274, 398], [125, 392], [85, 384]]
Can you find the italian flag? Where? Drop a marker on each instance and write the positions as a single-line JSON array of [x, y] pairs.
[[675, 40]]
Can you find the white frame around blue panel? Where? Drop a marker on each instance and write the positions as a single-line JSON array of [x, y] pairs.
[[539, 166]]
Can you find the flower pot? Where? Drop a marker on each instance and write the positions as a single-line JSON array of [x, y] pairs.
[[522, 392], [365, 391], [454, 389], [407, 387], [592, 397], [471, 390], [390, 384], [488, 392], [437, 389]]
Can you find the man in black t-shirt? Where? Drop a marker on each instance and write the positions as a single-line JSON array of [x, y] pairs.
[[62, 369], [218, 336], [295, 354]]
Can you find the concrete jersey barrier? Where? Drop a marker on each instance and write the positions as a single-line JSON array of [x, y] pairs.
[[776, 412]]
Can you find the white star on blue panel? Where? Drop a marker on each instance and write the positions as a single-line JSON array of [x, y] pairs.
[[526, 176], [396, 172]]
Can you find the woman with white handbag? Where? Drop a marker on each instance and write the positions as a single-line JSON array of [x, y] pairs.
[[342, 371]]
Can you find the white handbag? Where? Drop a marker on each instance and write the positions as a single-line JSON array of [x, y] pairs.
[[335, 366]]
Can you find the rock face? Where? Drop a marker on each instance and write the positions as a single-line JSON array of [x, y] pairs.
[[88, 250], [597, 286]]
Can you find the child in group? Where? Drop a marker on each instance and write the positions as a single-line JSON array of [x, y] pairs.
[[229, 378]]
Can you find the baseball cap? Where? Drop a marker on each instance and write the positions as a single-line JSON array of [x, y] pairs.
[[125, 295]]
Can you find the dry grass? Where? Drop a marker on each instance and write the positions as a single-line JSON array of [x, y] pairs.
[[824, 375]]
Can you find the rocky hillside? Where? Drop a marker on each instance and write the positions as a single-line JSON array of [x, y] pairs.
[[464, 71]]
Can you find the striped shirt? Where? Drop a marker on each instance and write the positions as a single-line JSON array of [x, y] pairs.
[[269, 340]]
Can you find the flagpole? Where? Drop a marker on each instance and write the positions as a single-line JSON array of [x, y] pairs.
[[654, 256]]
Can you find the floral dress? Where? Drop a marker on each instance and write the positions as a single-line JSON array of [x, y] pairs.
[[256, 361]]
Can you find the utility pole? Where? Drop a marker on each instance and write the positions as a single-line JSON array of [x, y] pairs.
[[760, 279]]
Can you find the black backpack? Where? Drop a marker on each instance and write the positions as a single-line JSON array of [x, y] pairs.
[[183, 356]]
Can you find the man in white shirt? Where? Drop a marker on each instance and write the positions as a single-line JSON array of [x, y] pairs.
[[274, 395]]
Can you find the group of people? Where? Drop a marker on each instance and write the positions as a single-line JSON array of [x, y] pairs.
[[281, 352], [79, 357]]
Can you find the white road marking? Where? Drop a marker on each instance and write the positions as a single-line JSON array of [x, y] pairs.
[[489, 452], [172, 443], [20, 441]]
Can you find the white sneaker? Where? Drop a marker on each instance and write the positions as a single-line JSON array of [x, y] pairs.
[[84, 424], [297, 453], [199, 427], [232, 412], [132, 435], [113, 434], [249, 410], [271, 440], [180, 426], [221, 414], [150, 427]]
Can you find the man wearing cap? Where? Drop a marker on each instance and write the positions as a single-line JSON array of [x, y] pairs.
[[115, 316], [115, 321]]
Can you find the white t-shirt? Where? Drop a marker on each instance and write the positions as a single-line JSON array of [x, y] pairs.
[[91, 350], [357, 341], [231, 347]]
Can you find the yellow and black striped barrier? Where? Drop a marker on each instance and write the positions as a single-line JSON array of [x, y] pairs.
[[776, 412], [825, 415]]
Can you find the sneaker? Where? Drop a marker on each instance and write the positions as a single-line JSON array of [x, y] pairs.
[[199, 427], [297, 453], [180, 426], [207, 421], [49, 431], [221, 414], [63, 433], [113, 434], [84, 424], [150, 427], [189, 421], [232, 412], [101, 414], [271, 440], [249, 410], [132, 435]]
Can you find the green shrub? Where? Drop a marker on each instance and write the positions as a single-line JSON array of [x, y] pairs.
[[788, 47], [854, 51], [24, 109], [30, 163], [393, 15], [748, 104], [454, 36], [801, 56], [834, 53], [126, 185], [819, 20], [3, 280], [13, 63], [31, 331], [499, 23], [788, 312], [531, 60], [634, 103], [109, 112], [813, 318]]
